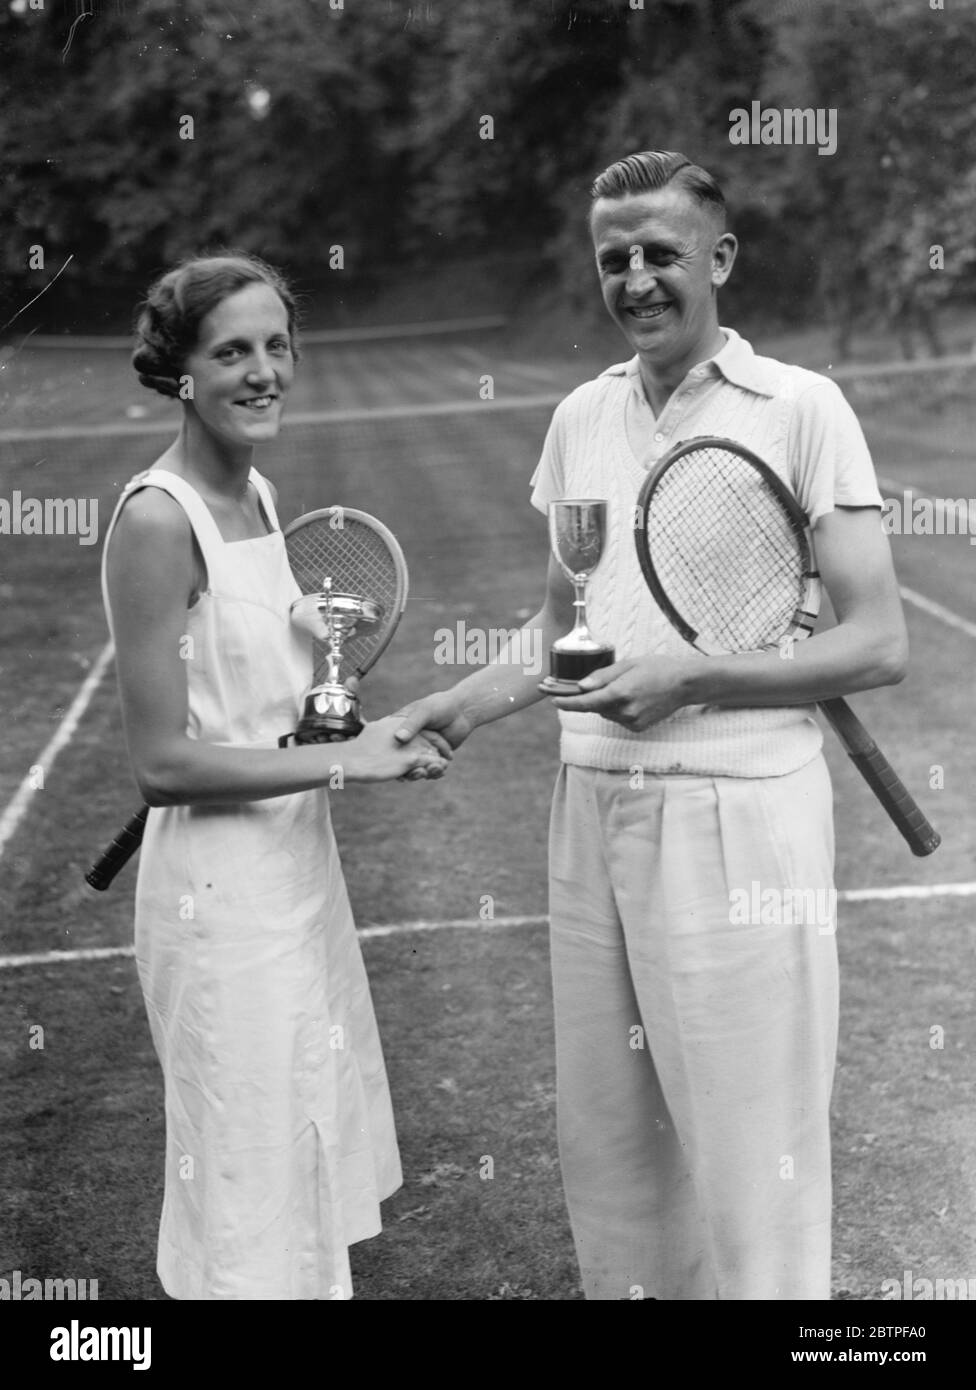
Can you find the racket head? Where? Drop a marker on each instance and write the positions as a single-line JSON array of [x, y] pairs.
[[361, 556], [726, 549]]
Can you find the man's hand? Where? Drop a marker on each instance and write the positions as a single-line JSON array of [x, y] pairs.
[[377, 755], [436, 744], [635, 693], [438, 717]]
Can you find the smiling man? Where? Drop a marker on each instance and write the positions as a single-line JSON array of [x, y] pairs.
[[695, 1052], [662, 254]]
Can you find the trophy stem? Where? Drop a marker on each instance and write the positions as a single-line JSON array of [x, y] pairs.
[[330, 618], [579, 603], [577, 534], [333, 657]]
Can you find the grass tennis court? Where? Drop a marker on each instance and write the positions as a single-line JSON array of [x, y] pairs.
[[464, 1011]]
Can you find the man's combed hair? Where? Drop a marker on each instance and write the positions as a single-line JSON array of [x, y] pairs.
[[650, 170]]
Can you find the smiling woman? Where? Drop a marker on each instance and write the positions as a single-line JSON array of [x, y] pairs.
[[279, 1128], [169, 320]]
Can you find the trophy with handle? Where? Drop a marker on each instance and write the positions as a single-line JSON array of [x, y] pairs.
[[330, 707], [577, 535], [353, 579]]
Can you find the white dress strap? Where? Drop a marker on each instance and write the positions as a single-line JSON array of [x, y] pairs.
[[198, 513], [267, 501]]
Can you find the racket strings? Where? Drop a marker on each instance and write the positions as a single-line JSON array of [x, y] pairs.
[[729, 557], [358, 561]]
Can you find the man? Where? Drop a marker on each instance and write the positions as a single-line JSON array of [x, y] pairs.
[[695, 1054]]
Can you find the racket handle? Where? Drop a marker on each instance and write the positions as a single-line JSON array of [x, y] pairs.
[[119, 852], [882, 778]]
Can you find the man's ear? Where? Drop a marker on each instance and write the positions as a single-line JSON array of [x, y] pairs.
[[723, 258]]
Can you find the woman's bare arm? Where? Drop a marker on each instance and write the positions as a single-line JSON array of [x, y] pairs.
[[150, 575]]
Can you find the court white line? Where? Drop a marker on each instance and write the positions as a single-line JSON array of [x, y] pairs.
[[907, 890], [113, 342], [65, 957], [433, 328], [896, 484], [846, 895], [15, 810], [889, 484], [917, 600], [853, 370], [124, 429], [936, 610], [946, 509], [458, 923], [21, 799]]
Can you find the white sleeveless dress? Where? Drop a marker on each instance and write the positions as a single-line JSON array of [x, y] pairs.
[[280, 1141]]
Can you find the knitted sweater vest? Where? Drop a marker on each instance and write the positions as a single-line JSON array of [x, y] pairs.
[[589, 429]]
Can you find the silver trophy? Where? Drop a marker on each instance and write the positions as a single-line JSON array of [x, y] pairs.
[[330, 708], [577, 535]]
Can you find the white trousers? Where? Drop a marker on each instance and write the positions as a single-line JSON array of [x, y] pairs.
[[696, 1030]]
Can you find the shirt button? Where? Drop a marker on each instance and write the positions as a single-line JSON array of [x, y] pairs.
[[658, 438]]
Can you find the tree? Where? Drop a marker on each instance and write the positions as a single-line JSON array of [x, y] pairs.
[[411, 134], [162, 130], [902, 177]]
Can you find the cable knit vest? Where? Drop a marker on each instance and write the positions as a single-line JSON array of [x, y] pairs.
[[598, 462]]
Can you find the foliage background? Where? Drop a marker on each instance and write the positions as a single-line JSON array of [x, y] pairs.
[[370, 140]]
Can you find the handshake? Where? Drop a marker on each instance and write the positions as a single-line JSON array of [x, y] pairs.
[[433, 727], [415, 744]]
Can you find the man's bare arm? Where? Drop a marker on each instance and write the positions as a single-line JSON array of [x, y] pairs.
[[503, 687], [867, 648]]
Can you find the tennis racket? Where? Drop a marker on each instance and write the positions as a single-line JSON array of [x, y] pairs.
[[360, 556], [727, 552]]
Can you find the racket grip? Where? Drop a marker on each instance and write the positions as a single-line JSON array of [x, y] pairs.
[[119, 852], [881, 777]]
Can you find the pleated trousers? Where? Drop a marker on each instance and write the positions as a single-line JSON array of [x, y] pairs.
[[696, 1030]]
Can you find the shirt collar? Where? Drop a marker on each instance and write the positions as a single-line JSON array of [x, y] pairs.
[[735, 360]]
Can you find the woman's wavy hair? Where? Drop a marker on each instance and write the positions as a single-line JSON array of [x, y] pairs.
[[167, 322]]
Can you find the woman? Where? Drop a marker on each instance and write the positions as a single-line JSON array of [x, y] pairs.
[[279, 1131]]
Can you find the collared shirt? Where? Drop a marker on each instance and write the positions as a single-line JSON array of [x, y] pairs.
[[649, 435], [602, 440], [823, 425]]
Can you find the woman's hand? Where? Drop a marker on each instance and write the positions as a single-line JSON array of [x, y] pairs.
[[375, 755]]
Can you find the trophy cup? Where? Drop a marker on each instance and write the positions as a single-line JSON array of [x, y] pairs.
[[577, 534], [330, 707]]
